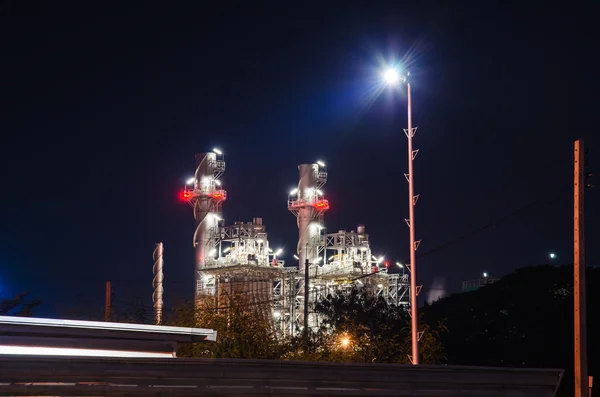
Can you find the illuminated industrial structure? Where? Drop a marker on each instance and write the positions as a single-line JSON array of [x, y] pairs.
[[238, 257], [203, 192], [351, 262]]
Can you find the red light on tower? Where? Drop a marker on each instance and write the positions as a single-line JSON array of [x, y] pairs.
[[185, 195], [386, 264], [218, 196]]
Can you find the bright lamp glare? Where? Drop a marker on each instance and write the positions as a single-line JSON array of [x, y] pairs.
[[190, 181], [320, 163], [217, 151], [293, 191], [391, 76], [278, 252]]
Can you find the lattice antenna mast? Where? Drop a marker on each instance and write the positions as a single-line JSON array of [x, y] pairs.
[[204, 193]]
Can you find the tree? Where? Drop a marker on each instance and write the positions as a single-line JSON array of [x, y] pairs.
[[360, 327], [18, 306], [523, 320], [244, 329]]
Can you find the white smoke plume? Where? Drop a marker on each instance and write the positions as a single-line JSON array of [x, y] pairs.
[[437, 290]]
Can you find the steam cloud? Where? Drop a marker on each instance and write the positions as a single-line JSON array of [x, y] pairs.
[[437, 290]]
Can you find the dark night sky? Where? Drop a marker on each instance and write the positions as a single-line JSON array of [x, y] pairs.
[[101, 117]]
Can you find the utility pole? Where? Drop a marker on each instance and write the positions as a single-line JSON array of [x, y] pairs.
[[107, 306], [581, 370], [306, 298]]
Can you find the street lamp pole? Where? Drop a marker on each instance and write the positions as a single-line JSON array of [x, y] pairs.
[[412, 200]]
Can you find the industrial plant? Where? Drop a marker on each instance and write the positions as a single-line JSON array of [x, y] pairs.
[[238, 257]]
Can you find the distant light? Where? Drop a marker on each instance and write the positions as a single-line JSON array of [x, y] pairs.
[[190, 180], [380, 259], [391, 76], [373, 257], [485, 274], [217, 151], [296, 257], [270, 250], [552, 255], [400, 265], [320, 163], [293, 191], [278, 252], [217, 182]]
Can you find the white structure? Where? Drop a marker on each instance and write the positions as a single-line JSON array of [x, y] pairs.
[[205, 195], [21, 336], [157, 283], [309, 205]]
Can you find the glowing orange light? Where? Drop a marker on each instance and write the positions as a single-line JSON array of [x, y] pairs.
[[218, 196]]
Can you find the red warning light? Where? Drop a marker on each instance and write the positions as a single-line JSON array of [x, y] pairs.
[[185, 195], [322, 205], [386, 264], [218, 196]]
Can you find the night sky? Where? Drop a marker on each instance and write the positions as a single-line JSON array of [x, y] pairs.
[[104, 109]]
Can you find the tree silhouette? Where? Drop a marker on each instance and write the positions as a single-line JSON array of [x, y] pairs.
[[18, 306]]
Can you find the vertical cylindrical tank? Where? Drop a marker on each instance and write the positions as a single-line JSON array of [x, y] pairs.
[[204, 214], [307, 215], [157, 283]]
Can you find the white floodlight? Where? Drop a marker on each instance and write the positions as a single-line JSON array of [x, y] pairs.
[[278, 252], [320, 193], [485, 274], [391, 76], [320, 163], [400, 265], [226, 250], [293, 191], [217, 217], [217, 182], [318, 260], [380, 259], [270, 250], [190, 180], [296, 257], [212, 252], [217, 151]]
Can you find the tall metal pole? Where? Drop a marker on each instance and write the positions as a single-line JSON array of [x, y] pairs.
[[413, 249], [306, 297], [581, 373], [107, 304]]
